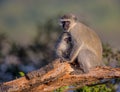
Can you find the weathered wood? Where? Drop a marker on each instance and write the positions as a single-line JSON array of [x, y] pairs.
[[58, 74]]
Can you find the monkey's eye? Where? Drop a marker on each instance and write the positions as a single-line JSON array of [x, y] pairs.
[[66, 40], [69, 39], [65, 22]]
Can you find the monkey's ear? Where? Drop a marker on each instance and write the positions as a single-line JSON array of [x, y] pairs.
[[74, 17]]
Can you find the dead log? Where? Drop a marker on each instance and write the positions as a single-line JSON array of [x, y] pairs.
[[56, 75]]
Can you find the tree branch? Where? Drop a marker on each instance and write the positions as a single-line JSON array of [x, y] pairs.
[[57, 74]]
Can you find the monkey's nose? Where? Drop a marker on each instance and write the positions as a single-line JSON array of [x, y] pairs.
[[65, 27]]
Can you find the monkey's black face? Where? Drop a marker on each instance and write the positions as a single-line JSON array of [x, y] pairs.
[[65, 25], [68, 40]]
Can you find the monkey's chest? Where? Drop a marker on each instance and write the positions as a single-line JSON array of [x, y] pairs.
[[67, 47]]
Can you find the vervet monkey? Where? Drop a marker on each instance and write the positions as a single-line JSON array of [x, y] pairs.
[[87, 47], [63, 46]]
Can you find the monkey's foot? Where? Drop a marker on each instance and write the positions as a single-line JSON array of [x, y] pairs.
[[63, 60], [77, 72]]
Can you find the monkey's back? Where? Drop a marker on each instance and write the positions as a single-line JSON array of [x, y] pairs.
[[86, 37]]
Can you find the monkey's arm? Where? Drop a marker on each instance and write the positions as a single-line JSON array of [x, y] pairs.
[[75, 50]]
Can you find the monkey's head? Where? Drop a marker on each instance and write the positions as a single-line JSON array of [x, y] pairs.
[[68, 21]]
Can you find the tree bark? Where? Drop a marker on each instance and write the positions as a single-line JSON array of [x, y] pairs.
[[56, 75]]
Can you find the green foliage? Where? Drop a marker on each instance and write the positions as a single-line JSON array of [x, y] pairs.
[[111, 56], [97, 88], [61, 89], [22, 74]]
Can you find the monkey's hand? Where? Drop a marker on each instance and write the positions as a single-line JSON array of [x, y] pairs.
[[64, 59]]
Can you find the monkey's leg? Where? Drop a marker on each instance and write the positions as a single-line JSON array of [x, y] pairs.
[[87, 60]]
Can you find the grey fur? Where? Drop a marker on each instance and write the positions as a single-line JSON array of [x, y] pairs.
[[63, 46], [86, 46]]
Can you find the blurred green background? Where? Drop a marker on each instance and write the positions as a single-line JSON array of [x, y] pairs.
[[18, 18], [29, 29]]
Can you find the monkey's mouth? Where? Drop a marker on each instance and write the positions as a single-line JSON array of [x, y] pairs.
[[65, 27]]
